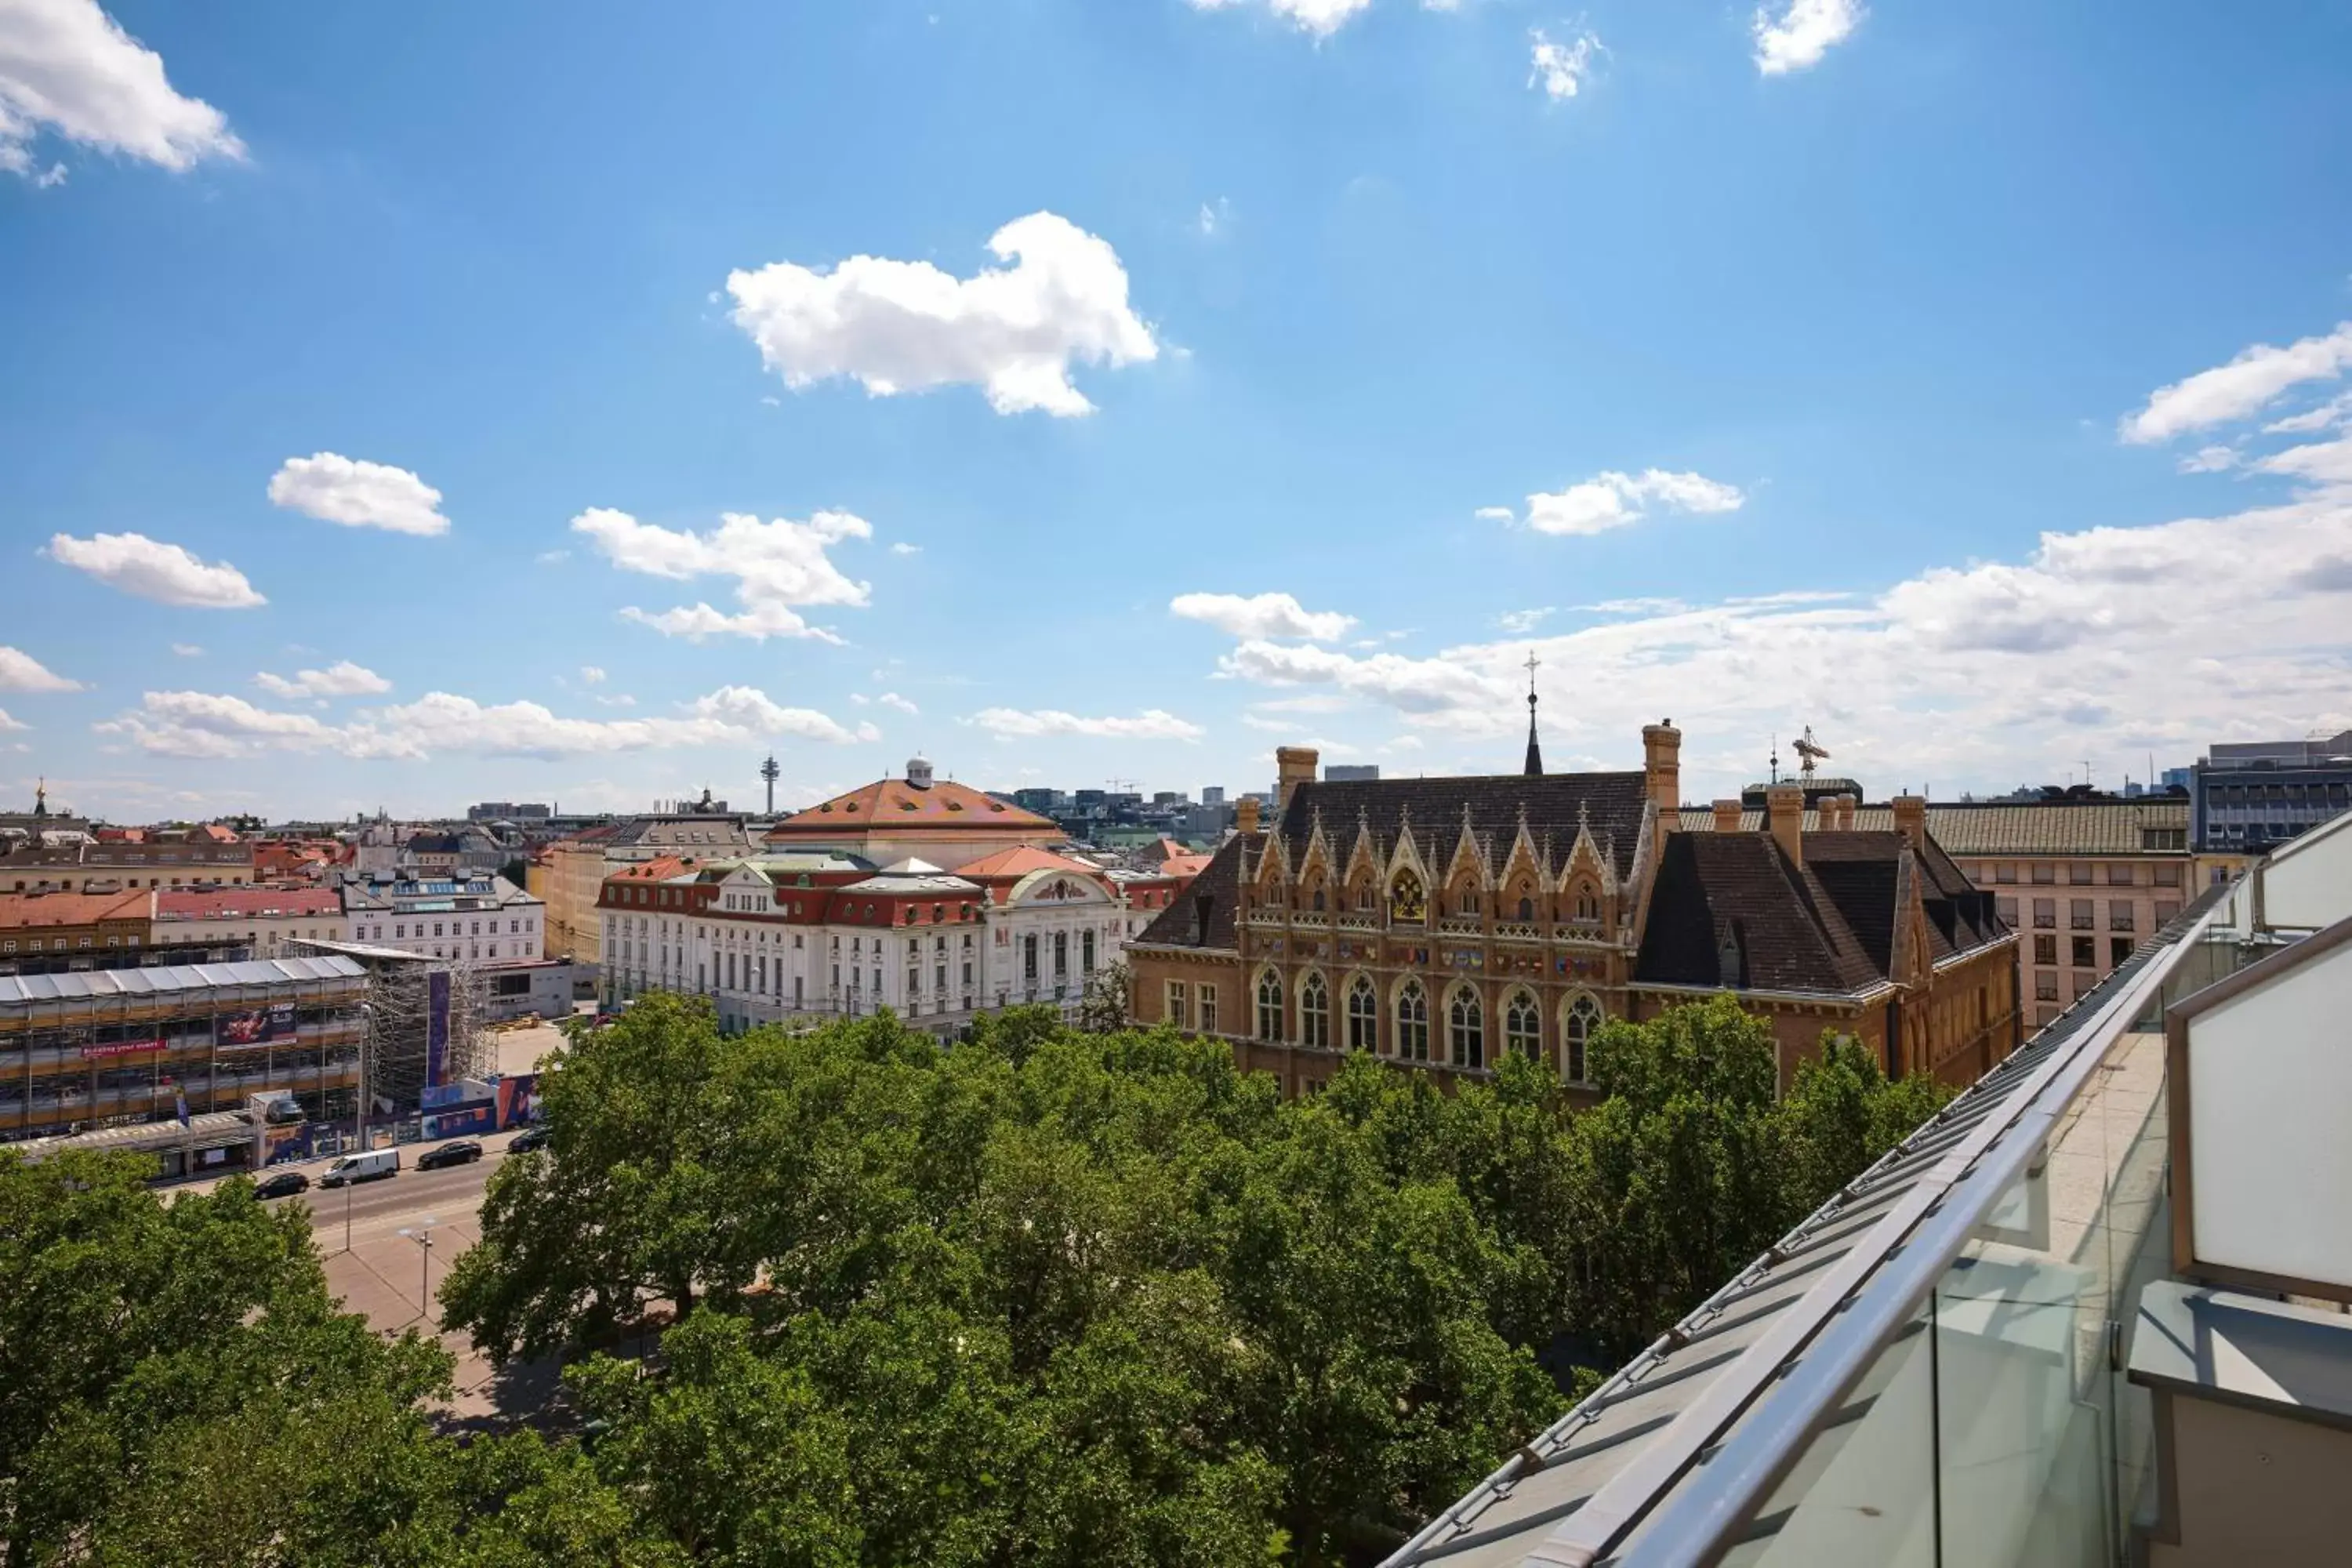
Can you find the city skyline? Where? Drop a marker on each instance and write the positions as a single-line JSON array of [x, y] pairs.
[[1136, 389]]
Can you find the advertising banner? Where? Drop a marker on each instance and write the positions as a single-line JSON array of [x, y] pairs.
[[436, 1025], [284, 1144], [257, 1027], [462, 1121], [517, 1098], [125, 1049]]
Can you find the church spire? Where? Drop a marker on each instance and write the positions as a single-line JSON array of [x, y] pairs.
[[1535, 753]]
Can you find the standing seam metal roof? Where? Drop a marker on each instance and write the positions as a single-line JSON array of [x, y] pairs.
[[94, 983]]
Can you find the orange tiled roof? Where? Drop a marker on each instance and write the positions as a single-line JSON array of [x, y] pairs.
[[18, 910], [223, 903], [1012, 865], [894, 802]]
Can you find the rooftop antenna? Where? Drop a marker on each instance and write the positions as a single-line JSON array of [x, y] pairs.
[[770, 773], [1773, 777]]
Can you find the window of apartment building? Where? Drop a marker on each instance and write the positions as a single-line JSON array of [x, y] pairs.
[[2084, 982], [2045, 948], [2082, 913], [2087, 952], [2045, 913], [2043, 872], [2007, 910], [2119, 950], [2121, 874], [1208, 1009], [2005, 872], [1176, 1003], [2168, 876], [2078, 872], [2166, 912], [2045, 988], [2121, 915]]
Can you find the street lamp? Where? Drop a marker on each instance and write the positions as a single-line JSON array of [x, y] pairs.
[[422, 1234]]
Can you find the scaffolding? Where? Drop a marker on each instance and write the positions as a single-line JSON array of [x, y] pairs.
[[426, 1019]]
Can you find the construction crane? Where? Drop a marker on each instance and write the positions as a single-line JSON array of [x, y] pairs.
[[1809, 752], [1123, 785]]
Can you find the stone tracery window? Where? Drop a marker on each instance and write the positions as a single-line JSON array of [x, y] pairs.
[[1314, 1013], [1466, 1029], [1522, 1025], [1583, 1018], [1363, 1016], [1585, 902], [1413, 1023], [1269, 1006]]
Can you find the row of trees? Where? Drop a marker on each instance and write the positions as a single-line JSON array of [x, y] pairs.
[[1049, 1297]]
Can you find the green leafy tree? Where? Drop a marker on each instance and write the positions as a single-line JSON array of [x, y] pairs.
[[1103, 1007]]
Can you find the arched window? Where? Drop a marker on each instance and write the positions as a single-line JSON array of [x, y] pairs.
[[1405, 899], [1413, 1023], [1586, 902], [1269, 1006], [1527, 911], [1363, 1016], [1522, 1025], [1466, 899], [1583, 1018], [1314, 1012], [1466, 1030], [1319, 900]]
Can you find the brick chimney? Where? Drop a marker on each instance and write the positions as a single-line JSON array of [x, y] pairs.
[[1846, 806], [1784, 812], [1911, 819], [1727, 816], [1293, 766], [1245, 814], [1662, 750]]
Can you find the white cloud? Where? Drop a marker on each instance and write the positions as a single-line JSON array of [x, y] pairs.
[[2242, 387], [213, 725], [892, 699], [1496, 514], [1261, 616], [1151, 724], [2209, 460], [1561, 68], [1966, 675], [1320, 18], [1612, 500], [2321, 463], [2336, 410], [67, 69], [907, 326], [9, 723], [358, 494], [1648, 606], [187, 650], [153, 570], [614, 700], [553, 557], [903, 548], [343, 678], [1523, 620], [1805, 31], [592, 675], [1213, 216], [777, 566], [20, 672]]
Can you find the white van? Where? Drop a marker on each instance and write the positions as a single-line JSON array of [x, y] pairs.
[[373, 1165]]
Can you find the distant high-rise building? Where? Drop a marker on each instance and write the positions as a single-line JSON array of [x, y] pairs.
[[2248, 797], [506, 811], [1212, 794], [1352, 772]]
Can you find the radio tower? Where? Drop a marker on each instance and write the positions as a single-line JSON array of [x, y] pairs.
[[770, 773]]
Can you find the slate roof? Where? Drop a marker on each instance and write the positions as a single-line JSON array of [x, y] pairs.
[[1827, 925], [1555, 804], [1203, 914], [2008, 827]]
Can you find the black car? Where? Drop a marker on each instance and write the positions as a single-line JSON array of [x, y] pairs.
[[459, 1152], [284, 1184], [527, 1139]]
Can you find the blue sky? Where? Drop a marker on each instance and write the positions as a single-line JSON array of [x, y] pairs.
[[1959, 381]]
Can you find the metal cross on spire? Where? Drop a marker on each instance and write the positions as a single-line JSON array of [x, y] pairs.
[[1534, 755]]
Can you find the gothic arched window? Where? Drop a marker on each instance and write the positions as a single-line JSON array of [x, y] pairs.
[[1583, 1018], [1363, 1016], [1413, 1023], [1314, 1013], [1522, 1025], [1466, 1030], [1269, 1006]]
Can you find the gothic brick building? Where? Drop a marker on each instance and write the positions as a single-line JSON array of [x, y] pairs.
[[1440, 922]]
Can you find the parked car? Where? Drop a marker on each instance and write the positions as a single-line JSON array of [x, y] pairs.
[[373, 1165], [282, 1184], [527, 1139], [457, 1152]]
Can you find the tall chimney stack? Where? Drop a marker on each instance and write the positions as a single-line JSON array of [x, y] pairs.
[[1293, 766], [1727, 816], [1911, 819], [1662, 749], [1246, 815], [1784, 812]]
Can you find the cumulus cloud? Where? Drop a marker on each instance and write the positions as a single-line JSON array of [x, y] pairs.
[[67, 69], [1261, 616], [778, 567], [1803, 33], [892, 699], [153, 570], [358, 494], [908, 326], [2244, 387], [1516, 621], [1612, 500], [2336, 410], [20, 672], [1561, 68], [592, 675], [343, 678], [1319, 18], [2209, 460], [1976, 674], [1151, 724], [214, 725]]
